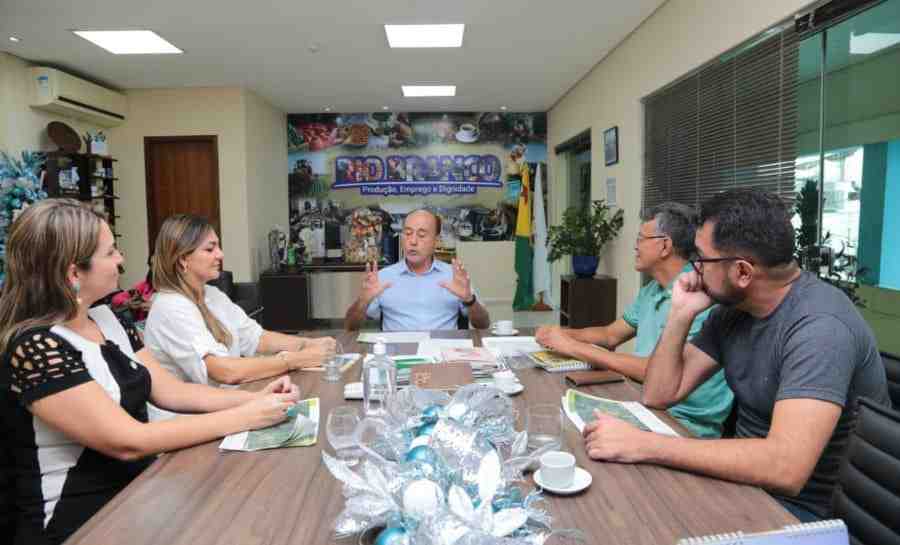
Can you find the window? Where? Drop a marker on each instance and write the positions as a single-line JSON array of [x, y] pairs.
[[732, 123]]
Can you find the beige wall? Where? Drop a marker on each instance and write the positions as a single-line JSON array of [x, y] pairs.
[[181, 112], [491, 266], [252, 142], [679, 37], [21, 127], [267, 187]]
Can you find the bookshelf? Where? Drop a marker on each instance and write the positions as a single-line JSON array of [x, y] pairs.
[[94, 184]]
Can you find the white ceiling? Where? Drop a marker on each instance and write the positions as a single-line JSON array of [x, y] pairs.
[[519, 54]]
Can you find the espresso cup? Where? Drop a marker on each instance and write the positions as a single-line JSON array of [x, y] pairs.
[[558, 469], [504, 327], [504, 380], [468, 130]]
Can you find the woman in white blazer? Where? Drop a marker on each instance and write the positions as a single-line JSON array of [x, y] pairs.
[[197, 332]]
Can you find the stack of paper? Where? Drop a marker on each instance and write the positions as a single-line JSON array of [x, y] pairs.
[[511, 346], [432, 348], [299, 430], [471, 355], [392, 337]]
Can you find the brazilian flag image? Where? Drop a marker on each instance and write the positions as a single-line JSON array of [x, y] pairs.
[[524, 298]]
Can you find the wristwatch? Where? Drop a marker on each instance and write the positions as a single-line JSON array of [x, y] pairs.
[[470, 302]]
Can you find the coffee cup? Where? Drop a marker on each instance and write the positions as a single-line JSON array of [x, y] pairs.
[[558, 469], [468, 130], [505, 380], [503, 327]]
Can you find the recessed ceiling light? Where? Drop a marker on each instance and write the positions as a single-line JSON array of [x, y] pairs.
[[503, 108], [429, 90], [14, 39], [385, 107], [327, 108], [129, 42], [424, 35]]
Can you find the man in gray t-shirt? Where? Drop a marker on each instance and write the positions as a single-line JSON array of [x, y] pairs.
[[795, 351], [814, 345]]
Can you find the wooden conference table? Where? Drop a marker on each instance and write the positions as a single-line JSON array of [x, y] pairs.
[[200, 496]]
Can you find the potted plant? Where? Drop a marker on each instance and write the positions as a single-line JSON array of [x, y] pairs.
[[583, 234]]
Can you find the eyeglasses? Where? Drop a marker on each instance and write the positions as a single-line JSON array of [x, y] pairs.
[[697, 261], [642, 237]]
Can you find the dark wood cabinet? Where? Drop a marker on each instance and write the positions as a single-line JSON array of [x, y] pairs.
[[285, 301], [586, 302]]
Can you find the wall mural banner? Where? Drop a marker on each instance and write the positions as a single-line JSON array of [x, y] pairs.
[[465, 166], [417, 175]]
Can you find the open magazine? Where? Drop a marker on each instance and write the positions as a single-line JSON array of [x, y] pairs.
[[580, 407], [301, 429]]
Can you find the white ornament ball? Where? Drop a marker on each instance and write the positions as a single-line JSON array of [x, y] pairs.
[[422, 498]]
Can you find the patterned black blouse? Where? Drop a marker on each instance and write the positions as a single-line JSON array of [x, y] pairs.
[[58, 484]]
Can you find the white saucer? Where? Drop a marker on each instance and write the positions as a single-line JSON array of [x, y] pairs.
[[517, 389], [497, 333], [460, 137], [581, 481]]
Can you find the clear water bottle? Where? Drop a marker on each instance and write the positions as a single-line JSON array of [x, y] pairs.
[[379, 380]]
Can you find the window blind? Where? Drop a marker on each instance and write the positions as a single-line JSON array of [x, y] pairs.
[[732, 123]]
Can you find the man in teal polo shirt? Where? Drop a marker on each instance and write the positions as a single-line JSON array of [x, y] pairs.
[[663, 246]]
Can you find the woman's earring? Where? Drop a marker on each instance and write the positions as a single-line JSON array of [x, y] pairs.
[[76, 287]]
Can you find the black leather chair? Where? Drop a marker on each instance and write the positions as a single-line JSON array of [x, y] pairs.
[[244, 294], [892, 366], [868, 494]]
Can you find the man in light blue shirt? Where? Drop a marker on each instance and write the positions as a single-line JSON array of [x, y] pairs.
[[664, 244], [419, 293]]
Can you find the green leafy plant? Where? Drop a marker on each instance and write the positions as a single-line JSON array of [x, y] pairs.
[[584, 230]]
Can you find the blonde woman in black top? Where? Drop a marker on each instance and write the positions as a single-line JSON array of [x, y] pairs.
[[77, 379]]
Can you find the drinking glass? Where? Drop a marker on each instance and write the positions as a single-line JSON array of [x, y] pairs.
[[544, 425], [333, 364], [340, 428]]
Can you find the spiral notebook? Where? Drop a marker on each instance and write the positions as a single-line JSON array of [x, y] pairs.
[[555, 362], [826, 532]]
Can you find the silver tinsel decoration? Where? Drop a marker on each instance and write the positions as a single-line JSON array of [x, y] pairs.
[[442, 470]]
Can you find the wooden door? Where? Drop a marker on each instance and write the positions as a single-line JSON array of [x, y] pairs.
[[182, 178]]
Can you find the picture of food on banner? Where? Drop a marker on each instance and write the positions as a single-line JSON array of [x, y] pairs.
[[465, 166]]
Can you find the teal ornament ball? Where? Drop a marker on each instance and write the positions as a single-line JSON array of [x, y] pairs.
[[16, 203], [426, 429], [431, 413], [421, 453], [392, 536]]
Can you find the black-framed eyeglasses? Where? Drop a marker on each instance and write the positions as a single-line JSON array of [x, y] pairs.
[[641, 236], [697, 261]]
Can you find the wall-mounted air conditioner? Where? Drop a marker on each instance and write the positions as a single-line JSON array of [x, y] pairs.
[[58, 92]]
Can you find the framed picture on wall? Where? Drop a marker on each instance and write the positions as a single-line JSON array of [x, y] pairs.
[[611, 146]]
